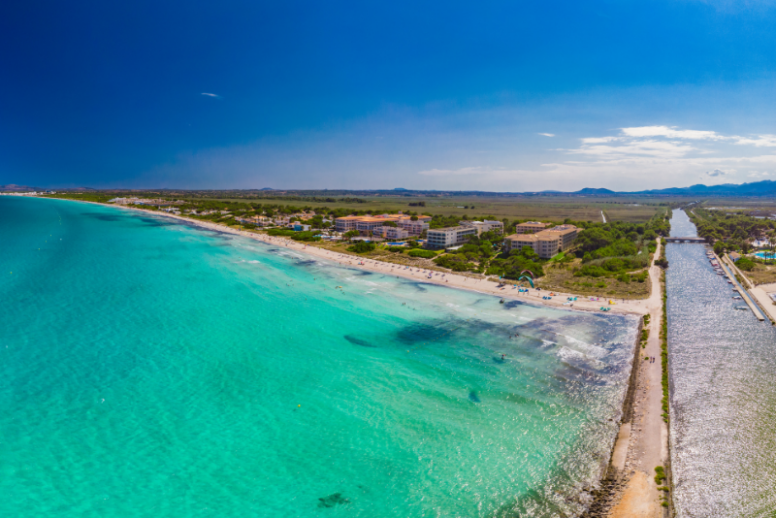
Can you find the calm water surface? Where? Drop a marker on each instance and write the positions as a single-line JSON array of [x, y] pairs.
[[723, 384], [152, 369]]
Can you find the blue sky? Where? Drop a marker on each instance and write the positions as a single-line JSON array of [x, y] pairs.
[[503, 96]]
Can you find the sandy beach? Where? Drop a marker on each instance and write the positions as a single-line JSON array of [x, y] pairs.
[[450, 280]]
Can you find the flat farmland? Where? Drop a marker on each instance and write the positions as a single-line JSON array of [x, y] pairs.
[[545, 208]]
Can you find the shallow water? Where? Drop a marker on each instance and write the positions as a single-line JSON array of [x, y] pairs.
[[153, 369], [723, 391]]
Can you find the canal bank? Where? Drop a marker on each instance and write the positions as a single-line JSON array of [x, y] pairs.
[[629, 489]]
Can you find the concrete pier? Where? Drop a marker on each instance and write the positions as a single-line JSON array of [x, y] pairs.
[[740, 289]]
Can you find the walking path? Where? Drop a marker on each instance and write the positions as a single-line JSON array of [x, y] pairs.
[[760, 293], [643, 441]]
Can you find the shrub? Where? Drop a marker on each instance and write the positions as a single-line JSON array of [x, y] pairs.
[[641, 277], [660, 475], [397, 249], [419, 252], [362, 247], [591, 270], [745, 264], [455, 262], [296, 236]]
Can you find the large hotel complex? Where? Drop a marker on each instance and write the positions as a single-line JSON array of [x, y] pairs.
[[404, 227], [546, 242]]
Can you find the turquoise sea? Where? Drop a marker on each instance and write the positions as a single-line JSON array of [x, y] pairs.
[[149, 368]]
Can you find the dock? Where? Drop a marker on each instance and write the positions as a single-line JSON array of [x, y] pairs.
[[741, 290]]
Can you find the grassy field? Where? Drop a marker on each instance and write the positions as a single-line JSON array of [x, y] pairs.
[[636, 210], [762, 274], [561, 278], [552, 208], [747, 205]]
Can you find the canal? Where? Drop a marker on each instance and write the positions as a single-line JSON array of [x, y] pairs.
[[722, 367]]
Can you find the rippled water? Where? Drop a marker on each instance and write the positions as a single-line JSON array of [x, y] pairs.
[[723, 391], [152, 369]]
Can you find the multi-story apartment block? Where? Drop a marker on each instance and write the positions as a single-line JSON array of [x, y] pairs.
[[346, 223], [530, 227], [447, 237], [366, 224], [393, 233], [413, 228], [484, 226], [546, 243]]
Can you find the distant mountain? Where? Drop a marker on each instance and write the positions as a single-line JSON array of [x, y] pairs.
[[590, 190], [267, 189], [12, 187], [763, 188], [400, 189]]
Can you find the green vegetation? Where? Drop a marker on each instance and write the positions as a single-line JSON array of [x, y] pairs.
[[419, 252], [734, 230], [342, 203], [664, 351], [395, 249], [614, 254], [660, 475], [745, 264], [362, 247], [474, 256], [661, 261], [512, 266], [296, 236], [617, 248]]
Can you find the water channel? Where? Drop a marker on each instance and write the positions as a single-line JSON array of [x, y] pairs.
[[722, 366]]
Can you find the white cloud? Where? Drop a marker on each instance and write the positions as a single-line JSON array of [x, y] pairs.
[[648, 156], [663, 142], [665, 131], [211, 95], [599, 140], [655, 148], [547, 134], [757, 141]]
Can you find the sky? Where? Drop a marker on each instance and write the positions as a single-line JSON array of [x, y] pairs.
[[495, 96]]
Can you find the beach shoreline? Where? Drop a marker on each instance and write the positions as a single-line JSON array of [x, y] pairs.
[[617, 480], [450, 280]]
